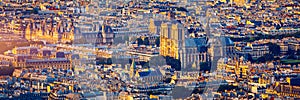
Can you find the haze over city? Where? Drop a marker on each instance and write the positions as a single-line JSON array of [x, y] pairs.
[[149, 49]]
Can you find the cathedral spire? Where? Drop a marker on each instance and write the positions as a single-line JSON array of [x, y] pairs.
[[132, 69], [133, 66], [208, 34]]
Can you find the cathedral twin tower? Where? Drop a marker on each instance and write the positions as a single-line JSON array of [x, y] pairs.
[[175, 43]]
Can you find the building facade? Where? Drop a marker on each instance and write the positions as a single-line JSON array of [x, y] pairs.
[[174, 43]]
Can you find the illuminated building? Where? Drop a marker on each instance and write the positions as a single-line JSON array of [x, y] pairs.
[[49, 30], [25, 50], [239, 68], [174, 43], [290, 88], [125, 96], [172, 37], [255, 50], [56, 63], [238, 2], [132, 70]]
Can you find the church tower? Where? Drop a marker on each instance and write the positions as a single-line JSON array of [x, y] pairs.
[[28, 32], [216, 45], [152, 27], [132, 69], [172, 36], [55, 35]]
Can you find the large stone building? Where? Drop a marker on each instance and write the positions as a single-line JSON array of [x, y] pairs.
[[49, 30], [175, 44], [93, 34], [57, 56], [24, 61], [255, 50], [65, 31], [171, 37]]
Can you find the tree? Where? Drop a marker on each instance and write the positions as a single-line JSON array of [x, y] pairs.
[[290, 51], [144, 64], [157, 41], [204, 66], [139, 41], [146, 41], [249, 57], [291, 57], [298, 52], [274, 49], [35, 10], [269, 57], [182, 9], [109, 61], [167, 80], [222, 88], [265, 58], [174, 63], [103, 61]]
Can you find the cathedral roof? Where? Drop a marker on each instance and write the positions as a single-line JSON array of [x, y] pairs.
[[199, 43], [192, 42], [150, 73]]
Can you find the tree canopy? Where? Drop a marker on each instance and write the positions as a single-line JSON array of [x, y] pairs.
[[157, 41], [274, 49]]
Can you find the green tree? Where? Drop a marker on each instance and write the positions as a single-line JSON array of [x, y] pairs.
[[249, 57], [167, 80], [274, 48], [269, 57], [265, 58], [109, 61], [146, 41], [35, 10], [290, 51], [139, 41], [157, 41], [204, 66], [174, 63], [298, 52]]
